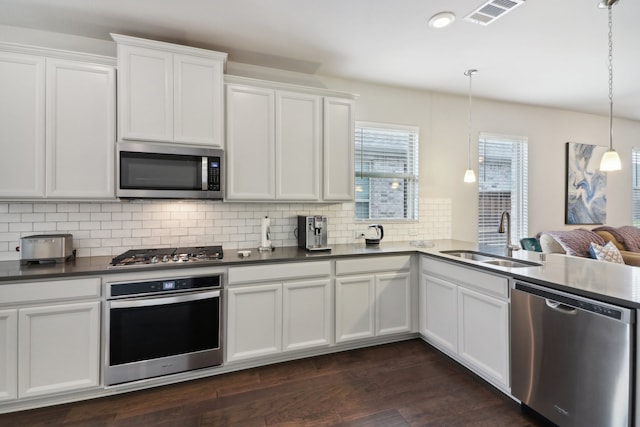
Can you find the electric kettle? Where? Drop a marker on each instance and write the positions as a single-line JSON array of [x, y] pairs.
[[373, 241]]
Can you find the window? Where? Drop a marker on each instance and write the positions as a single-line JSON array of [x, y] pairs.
[[386, 168], [502, 186], [635, 186]]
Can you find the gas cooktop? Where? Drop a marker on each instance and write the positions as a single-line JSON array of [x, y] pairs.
[[166, 256]]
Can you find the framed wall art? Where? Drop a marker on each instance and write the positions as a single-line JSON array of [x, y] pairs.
[[586, 195]]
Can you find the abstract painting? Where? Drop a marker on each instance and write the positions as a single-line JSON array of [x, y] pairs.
[[586, 185]]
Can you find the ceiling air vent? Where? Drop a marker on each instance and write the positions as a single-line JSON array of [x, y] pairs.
[[491, 10]]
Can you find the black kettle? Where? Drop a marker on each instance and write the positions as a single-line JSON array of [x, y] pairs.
[[374, 241]]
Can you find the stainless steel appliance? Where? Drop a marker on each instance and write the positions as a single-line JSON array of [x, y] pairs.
[[167, 256], [43, 248], [169, 171], [162, 326], [571, 357], [312, 233]]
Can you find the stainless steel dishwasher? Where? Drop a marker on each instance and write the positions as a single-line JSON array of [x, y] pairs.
[[571, 357]]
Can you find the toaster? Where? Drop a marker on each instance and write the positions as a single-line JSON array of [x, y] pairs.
[[46, 248]]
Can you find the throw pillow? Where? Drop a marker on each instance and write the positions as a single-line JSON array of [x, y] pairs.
[[576, 242], [608, 253]]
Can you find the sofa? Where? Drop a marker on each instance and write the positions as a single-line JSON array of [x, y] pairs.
[[577, 242]]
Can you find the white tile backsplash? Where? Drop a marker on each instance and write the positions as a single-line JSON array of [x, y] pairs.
[[108, 229]]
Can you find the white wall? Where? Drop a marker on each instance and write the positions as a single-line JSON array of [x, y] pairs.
[[443, 119]]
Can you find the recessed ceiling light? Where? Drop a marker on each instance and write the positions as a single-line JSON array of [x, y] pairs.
[[442, 19]]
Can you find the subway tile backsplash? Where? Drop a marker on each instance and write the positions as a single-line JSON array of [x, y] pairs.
[[112, 228]]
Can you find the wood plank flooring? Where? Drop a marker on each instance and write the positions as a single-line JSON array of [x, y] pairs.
[[401, 384]]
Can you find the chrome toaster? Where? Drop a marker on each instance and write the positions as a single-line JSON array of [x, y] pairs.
[[46, 248]]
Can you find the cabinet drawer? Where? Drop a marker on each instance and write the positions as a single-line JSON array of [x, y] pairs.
[[467, 276], [373, 264], [30, 292], [269, 272]]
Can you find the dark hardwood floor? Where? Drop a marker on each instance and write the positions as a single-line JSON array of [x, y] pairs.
[[401, 384]]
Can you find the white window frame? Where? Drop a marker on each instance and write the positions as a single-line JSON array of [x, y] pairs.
[[635, 186], [409, 178], [518, 206]]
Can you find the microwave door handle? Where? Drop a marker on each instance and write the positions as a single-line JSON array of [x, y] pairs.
[[149, 302], [205, 174]]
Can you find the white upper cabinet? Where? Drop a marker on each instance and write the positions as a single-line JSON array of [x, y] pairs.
[[250, 153], [145, 93], [22, 125], [57, 124], [80, 129], [275, 139], [339, 129], [298, 119], [169, 93]]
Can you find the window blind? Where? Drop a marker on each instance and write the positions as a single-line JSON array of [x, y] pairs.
[[386, 168], [635, 186], [502, 186]]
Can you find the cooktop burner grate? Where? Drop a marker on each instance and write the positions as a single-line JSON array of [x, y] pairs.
[[164, 256]]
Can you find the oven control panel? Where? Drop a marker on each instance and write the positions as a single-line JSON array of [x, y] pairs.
[[163, 286]]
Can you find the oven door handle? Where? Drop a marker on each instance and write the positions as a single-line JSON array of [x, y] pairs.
[[149, 302]]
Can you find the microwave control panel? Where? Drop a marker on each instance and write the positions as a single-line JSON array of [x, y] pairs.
[[214, 174]]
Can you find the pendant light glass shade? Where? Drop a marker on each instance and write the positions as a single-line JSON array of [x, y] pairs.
[[469, 175], [610, 160]]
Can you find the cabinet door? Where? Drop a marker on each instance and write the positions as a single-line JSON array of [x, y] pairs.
[[59, 348], [145, 94], [22, 125], [307, 314], [250, 143], [355, 300], [338, 149], [254, 321], [393, 307], [8, 354], [198, 100], [440, 319], [483, 333], [80, 130], [297, 146]]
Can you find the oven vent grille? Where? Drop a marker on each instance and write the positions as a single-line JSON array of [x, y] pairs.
[[491, 10]]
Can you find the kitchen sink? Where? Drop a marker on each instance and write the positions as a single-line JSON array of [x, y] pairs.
[[491, 259]]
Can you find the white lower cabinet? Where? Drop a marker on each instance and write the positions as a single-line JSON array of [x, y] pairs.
[[370, 305], [438, 312], [8, 354], [306, 314], [465, 313], [49, 345], [59, 348], [267, 318], [254, 321], [483, 333], [355, 303]]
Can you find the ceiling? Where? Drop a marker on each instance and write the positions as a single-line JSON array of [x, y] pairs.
[[545, 52]]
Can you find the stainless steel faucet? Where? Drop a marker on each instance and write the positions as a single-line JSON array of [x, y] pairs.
[[509, 248]]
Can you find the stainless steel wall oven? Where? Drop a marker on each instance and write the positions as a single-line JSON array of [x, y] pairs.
[[160, 327]]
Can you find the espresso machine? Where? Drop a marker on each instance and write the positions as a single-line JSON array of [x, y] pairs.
[[312, 233]]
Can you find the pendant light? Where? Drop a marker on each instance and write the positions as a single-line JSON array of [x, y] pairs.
[[469, 175], [610, 160]]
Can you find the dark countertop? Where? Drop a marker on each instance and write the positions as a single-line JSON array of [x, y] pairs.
[[12, 270], [613, 283]]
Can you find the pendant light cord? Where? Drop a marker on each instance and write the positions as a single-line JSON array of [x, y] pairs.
[[610, 79], [469, 73]]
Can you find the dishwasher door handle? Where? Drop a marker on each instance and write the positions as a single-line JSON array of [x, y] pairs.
[[558, 306]]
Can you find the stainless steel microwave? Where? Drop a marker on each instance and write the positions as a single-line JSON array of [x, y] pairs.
[[169, 171]]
